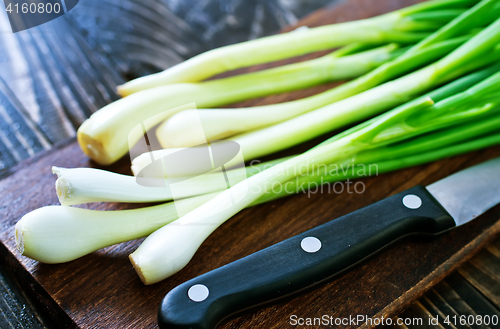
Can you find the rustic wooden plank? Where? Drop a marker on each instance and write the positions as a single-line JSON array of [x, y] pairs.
[[13, 315], [482, 274], [417, 316], [451, 299], [102, 289]]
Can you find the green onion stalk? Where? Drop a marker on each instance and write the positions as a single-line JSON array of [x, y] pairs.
[[398, 26], [170, 248], [85, 185], [483, 14]]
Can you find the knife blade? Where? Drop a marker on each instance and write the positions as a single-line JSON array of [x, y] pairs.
[[322, 252]]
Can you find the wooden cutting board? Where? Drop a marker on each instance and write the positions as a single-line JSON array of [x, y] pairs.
[[102, 290]]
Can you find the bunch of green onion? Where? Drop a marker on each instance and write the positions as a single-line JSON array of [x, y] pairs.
[[437, 98]]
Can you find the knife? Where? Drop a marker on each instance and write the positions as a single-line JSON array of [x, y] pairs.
[[320, 253]]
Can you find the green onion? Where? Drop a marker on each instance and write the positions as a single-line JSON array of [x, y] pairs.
[[483, 14], [84, 185], [58, 234]]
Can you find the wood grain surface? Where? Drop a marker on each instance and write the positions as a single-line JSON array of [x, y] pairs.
[[102, 290]]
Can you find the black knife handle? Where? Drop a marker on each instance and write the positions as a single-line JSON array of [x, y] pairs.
[[287, 267]]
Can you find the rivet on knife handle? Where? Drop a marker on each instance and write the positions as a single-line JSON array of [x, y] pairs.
[[301, 261]]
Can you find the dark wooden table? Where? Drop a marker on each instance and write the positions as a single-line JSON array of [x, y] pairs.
[[102, 290]]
